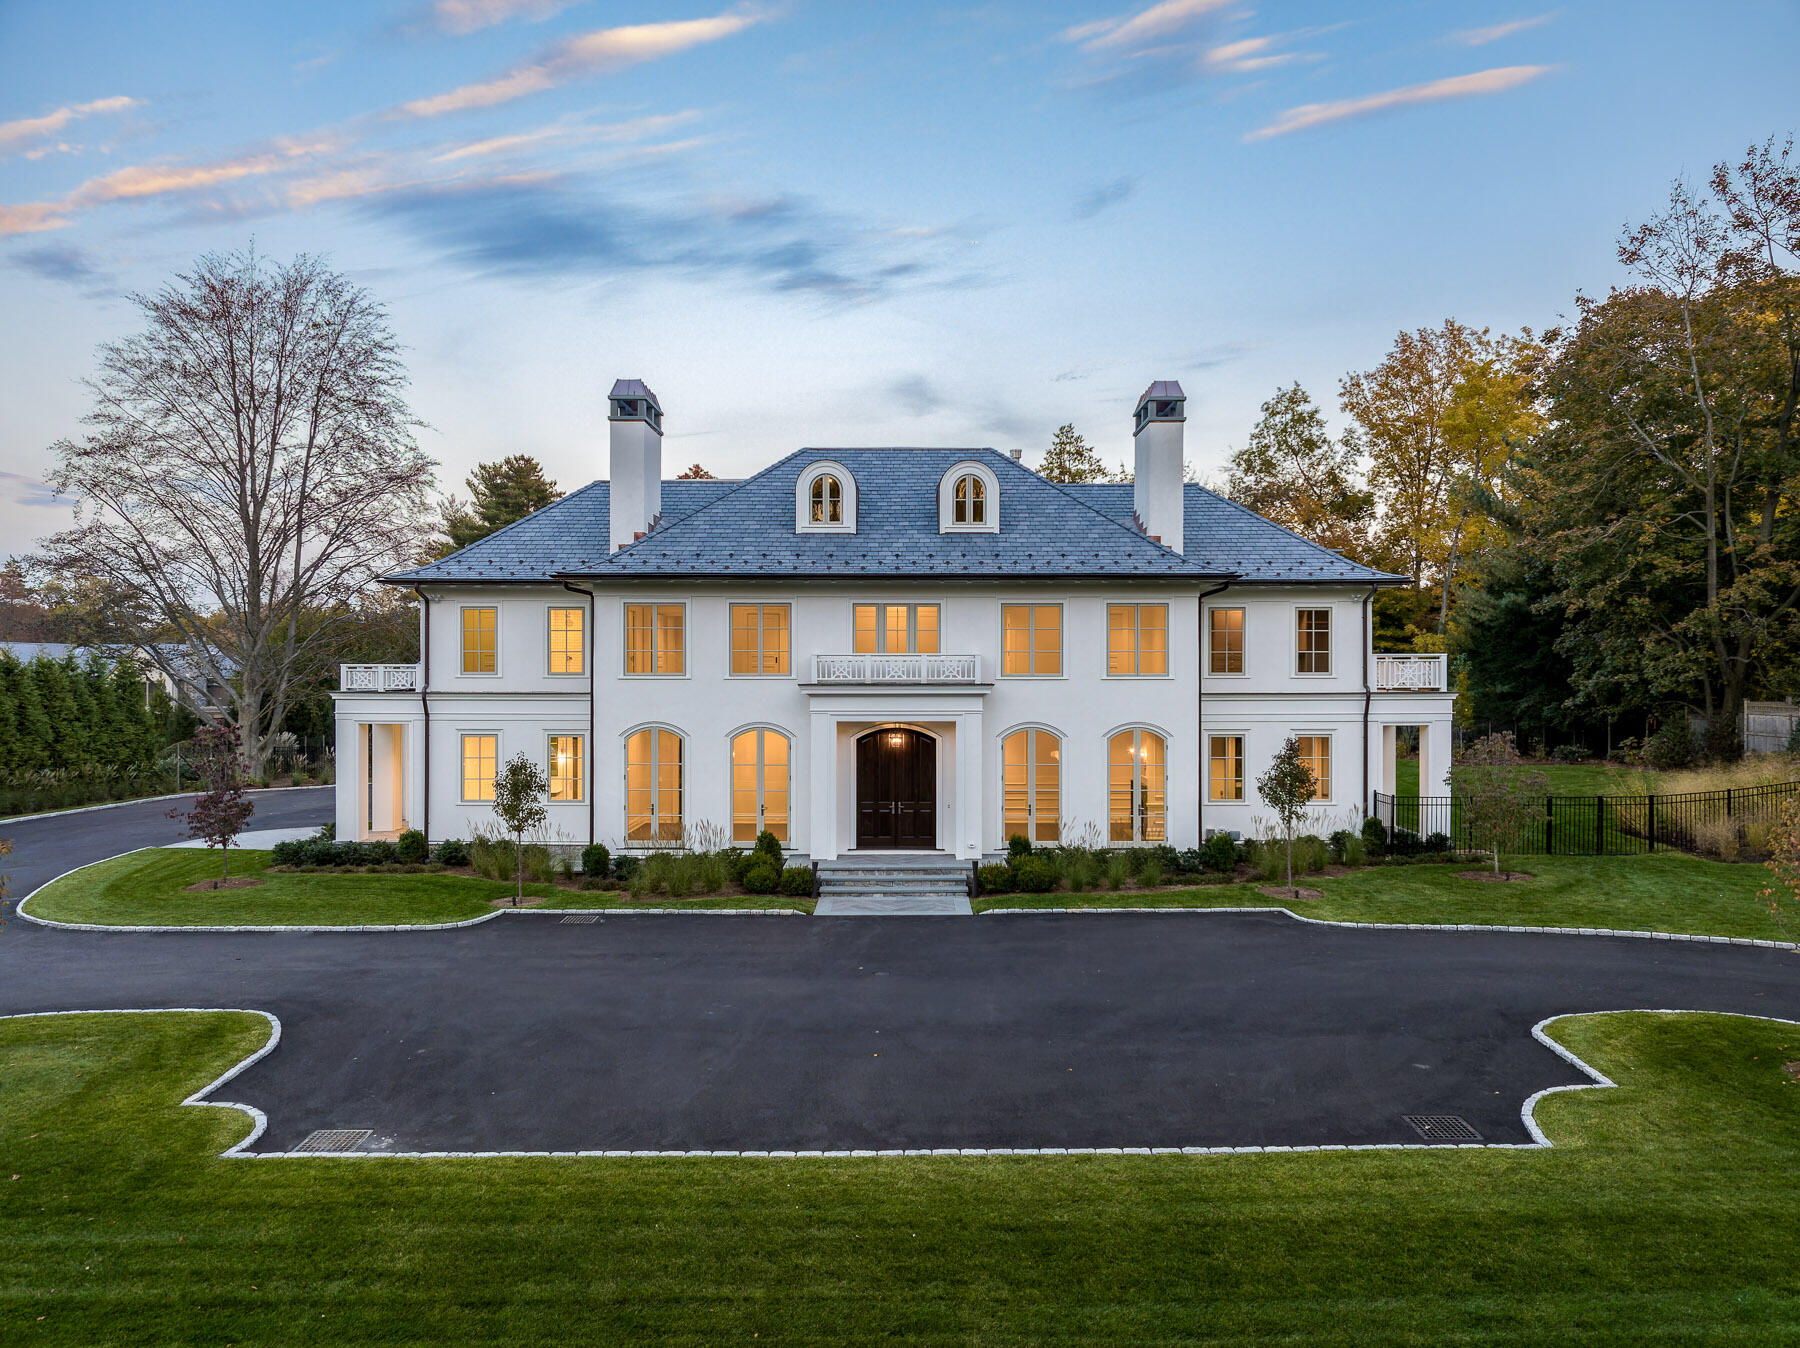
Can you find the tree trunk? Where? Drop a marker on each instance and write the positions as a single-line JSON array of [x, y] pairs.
[[1290, 862], [519, 869]]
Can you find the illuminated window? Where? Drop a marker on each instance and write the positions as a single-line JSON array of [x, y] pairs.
[[759, 639], [969, 504], [654, 639], [759, 785], [896, 629], [1031, 785], [1315, 752], [653, 788], [1313, 640], [480, 760], [1225, 640], [1135, 804], [568, 644], [827, 500], [1225, 778], [1137, 638], [1031, 638], [566, 774], [480, 640]]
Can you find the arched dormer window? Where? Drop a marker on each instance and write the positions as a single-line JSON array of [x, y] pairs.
[[969, 500], [825, 499]]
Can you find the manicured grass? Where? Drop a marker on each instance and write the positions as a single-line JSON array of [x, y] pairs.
[[1665, 892], [148, 888], [1563, 779], [1665, 1212]]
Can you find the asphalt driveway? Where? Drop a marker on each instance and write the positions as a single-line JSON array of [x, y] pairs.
[[696, 1032]]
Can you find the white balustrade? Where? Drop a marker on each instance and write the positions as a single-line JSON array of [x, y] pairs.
[[378, 678], [1411, 673], [888, 669]]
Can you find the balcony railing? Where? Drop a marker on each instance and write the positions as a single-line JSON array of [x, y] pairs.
[[1411, 673], [378, 678], [889, 669]]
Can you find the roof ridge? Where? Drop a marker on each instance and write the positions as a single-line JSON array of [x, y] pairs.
[[737, 485]]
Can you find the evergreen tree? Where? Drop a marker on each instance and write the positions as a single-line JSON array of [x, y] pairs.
[[80, 739], [502, 492], [1072, 459], [10, 693], [49, 709]]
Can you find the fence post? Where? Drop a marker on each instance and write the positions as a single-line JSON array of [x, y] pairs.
[[1650, 820], [1599, 826], [1728, 802], [1549, 826]]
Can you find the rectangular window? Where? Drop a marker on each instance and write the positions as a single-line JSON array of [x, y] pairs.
[[565, 767], [654, 639], [1315, 752], [1312, 638], [759, 638], [1225, 780], [568, 641], [480, 761], [896, 629], [1031, 638], [1137, 639], [1225, 641], [480, 640]]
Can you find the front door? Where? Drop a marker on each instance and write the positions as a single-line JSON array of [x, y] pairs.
[[896, 789]]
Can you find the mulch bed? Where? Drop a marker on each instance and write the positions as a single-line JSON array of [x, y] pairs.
[[235, 882], [529, 901], [1299, 893], [1488, 876]]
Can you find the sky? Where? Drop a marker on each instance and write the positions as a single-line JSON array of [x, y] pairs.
[[816, 223]]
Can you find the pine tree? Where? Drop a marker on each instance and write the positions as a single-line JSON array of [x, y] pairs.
[[80, 738], [50, 709], [504, 492], [9, 713], [111, 745], [1072, 459]]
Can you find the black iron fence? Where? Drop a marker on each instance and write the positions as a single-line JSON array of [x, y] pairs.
[[1723, 823]]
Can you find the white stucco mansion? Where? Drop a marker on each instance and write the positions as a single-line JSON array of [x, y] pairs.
[[885, 648]]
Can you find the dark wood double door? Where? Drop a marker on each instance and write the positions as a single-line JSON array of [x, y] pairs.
[[896, 790]]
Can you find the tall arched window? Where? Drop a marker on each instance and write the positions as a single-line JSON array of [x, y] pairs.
[[827, 500], [653, 785], [971, 500], [759, 785], [1135, 797], [1031, 785]]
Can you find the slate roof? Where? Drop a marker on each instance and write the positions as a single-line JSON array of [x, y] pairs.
[[746, 529]]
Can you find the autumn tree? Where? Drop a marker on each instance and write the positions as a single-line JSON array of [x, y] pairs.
[[250, 460], [1293, 472], [220, 812], [1071, 459], [502, 492], [695, 473]]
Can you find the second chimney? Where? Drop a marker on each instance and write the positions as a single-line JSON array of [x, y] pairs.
[[634, 491], [1157, 491]]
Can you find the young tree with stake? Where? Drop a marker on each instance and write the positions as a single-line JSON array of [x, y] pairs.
[[220, 812], [1286, 788], [519, 793], [1495, 793]]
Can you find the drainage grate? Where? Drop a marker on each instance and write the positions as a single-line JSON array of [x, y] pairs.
[[1443, 1127], [334, 1139], [579, 920]]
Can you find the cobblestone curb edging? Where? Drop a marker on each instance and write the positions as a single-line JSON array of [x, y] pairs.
[[1417, 926], [1540, 1141]]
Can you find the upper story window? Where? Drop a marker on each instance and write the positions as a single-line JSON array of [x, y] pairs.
[[1225, 641], [896, 629], [825, 499], [1031, 639], [759, 639], [655, 639], [969, 500], [480, 640], [567, 637], [1312, 641], [1137, 639]]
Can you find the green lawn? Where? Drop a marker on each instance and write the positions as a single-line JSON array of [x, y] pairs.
[[1665, 892], [1665, 1212], [1563, 779], [148, 888]]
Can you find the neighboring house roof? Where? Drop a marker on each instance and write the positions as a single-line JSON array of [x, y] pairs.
[[25, 651], [716, 528]]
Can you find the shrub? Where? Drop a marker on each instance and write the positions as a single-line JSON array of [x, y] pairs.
[[1310, 854], [1136, 858], [1035, 875], [994, 879], [1793, 744], [1672, 746], [1271, 863], [285, 854], [1570, 753], [625, 869], [1355, 853], [452, 852], [411, 847], [1018, 846], [596, 860], [1166, 857], [1436, 843], [1339, 839], [491, 860], [328, 832], [797, 882], [540, 863], [1189, 861], [761, 877], [1221, 853], [378, 853], [768, 845], [1152, 875], [1719, 838], [1082, 868], [1374, 836], [711, 871], [1117, 869]]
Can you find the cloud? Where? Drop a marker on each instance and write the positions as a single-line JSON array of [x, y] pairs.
[[32, 217], [915, 395], [1480, 37], [15, 135], [1091, 203], [1141, 30], [583, 56], [617, 133], [469, 16], [1309, 115], [59, 262], [1250, 55], [155, 180]]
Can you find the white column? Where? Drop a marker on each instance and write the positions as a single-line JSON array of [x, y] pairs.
[[1390, 756], [821, 786], [970, 748], [1434, 757]]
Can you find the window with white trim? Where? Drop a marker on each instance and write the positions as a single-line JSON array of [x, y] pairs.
[[1312, 641], [895, 629], [1031, 785], [653, 787], [567, 640], [1136, 800], [1031, 639], [1137, 639], [759, 639], [480, 763], [655, 639], [759, 785], [567, 768], [1315, 752]]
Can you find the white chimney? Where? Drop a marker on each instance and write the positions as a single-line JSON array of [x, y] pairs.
[[635, 470], [1157, 491]]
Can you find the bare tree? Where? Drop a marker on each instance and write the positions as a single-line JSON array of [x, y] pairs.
[[1496, 794], [251, 467]]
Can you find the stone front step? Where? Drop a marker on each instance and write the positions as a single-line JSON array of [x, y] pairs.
[[861, 906], [893, 886]]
